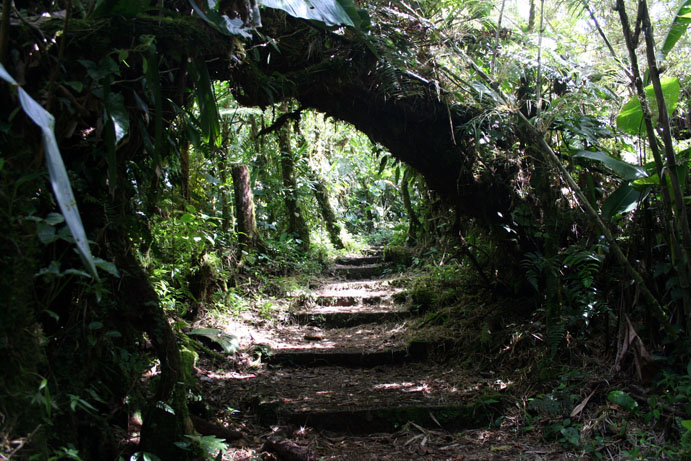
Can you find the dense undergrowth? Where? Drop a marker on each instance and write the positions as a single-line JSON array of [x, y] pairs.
[[559, 380]]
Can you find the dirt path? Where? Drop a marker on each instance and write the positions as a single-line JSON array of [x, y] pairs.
[[343, 381]]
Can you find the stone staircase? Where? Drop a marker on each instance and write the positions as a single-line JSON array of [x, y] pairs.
[[344, 364]]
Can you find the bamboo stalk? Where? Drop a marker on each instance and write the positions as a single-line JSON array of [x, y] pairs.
[[681, 220], [670, 221]]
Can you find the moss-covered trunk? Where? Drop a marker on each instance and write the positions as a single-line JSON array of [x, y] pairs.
[[244, 205], [296, 221], [321, 193]]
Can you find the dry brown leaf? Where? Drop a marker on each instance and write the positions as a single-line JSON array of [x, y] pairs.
[[579, 408]]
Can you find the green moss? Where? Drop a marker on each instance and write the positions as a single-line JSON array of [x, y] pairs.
[[422, 297], [188, 359], [398, 255]]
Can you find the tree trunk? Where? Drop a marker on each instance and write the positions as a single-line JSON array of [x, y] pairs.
[[414, 221], [185, 170], [296, 222], [367, 207], [322, 195], [226, 213], [531, 16], [161, 428], [244, 205], [142, 310]]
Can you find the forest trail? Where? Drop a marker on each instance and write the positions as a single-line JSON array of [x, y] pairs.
[[342, 379]]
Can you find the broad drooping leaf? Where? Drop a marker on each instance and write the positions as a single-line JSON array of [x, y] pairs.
[[56, 170], [630, 119], [679, 25], [228, 343], [330, 12], [117, 113], [621, 168], [623, 200]]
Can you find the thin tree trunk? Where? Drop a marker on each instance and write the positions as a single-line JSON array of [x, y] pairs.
[[531, 16], [226, 213], [244, 205], [296, 221], [185, 170], [367, 208], [414, 221], [539, 58], [321, 193], [497, 35]]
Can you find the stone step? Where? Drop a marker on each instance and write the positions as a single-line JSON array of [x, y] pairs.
[[376, 250], [351, 358], [381, 399], [340, 300], [358, 260], [358, 272], [460, 416], [342, 319], [379, 285]]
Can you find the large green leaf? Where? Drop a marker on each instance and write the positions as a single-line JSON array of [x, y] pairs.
[[679, 25], [621, 168], [622, 399], [228, 343], [56, 170], [623, 200], [330, 12], [630, 119], [117, 113]]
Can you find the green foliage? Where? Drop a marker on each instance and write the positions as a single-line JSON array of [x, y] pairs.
[[566, 289], [129, 163], [678, 28], [622, 399], [212, 446], [630, 119], [623, 200], [206, 99], [439, 288], [554, 408], [622, 169]]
